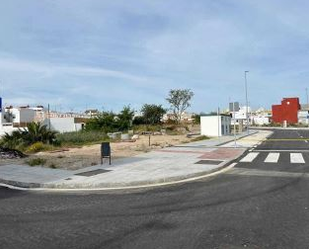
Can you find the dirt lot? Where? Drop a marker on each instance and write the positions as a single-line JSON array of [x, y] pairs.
[[76, 158]]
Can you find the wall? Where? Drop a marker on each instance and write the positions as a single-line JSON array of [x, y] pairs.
[[210, 126], [26, 116], [7, 128], [287, 111], [63, 124], [21, 115], [214, 126], [303, 117], [260, 120]]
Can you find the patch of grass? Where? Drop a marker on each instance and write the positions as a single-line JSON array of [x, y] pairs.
[[200, 138], [37, 147], [36, 161], [81, 138], [144, 128]]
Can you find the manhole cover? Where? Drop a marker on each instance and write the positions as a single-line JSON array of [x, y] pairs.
[[214, 162], [93, 172]]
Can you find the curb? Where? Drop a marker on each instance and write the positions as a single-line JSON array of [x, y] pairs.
[[171, 181], [133, 185]]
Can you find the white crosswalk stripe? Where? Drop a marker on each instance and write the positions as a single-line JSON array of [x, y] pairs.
[[272, 158], [297, 158], [250, 157]]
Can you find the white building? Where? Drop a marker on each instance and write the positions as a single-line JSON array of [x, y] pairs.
[[261, 119], [303, 117], [66, 124], [19, 116], [216, 125], [12, 118]]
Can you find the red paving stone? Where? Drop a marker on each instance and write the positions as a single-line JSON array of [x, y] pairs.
[[223, 153]]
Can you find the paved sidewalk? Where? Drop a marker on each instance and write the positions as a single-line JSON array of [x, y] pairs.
[[161, 166]]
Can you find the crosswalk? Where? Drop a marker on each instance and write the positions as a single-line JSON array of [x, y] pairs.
[[273, 157]]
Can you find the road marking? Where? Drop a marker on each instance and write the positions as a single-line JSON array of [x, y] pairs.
[[271, 150], [272, 158], [297, 158], [286, 139], [249, 158]]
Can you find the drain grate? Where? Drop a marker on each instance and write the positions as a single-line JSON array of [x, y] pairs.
[[214, 162], [93, 172]]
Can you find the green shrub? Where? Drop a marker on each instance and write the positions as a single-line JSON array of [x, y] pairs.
[[143, 128], [36, 161], [81, 137], [36, 147], [35, 132], [111, 122]]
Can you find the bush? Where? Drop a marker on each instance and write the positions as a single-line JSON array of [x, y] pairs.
[[144, 128], [35, 132], [36, 147], [81, 137], [139, 120], [176, 129], [111, 122], [36, 161]]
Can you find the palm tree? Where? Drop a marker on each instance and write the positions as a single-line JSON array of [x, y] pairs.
[[12, 141], [36, 132]]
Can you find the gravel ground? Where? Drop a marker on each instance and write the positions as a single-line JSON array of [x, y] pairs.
[[80, 157]]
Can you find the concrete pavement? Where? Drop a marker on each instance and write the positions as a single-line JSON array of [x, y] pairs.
[[165, 166]]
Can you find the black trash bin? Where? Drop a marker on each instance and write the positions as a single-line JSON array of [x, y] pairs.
[[106, 152]]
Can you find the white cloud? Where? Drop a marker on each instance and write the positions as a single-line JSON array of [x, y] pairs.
[[50, 70]]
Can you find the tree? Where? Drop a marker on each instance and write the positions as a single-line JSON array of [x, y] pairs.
[[197, 118], [125, 118], [152, 114], [111, 122], [11, 141], [35, 132], [104, 121], [179, 100]]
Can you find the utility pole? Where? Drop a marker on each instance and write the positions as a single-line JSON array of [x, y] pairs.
[[218, 115], [48, 117], [247, 107], [307, 106], [234, 124]]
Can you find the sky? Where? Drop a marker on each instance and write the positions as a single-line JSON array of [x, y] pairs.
[[76, 55]]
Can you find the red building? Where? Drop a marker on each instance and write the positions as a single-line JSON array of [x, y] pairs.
[[287, 111]]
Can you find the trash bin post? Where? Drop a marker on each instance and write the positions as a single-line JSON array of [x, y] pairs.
[[106, 152]]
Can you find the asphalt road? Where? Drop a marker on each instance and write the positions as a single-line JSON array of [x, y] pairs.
[[255, 205]]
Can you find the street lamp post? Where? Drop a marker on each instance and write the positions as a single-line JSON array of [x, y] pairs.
[[307, 106], [247, 107]]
